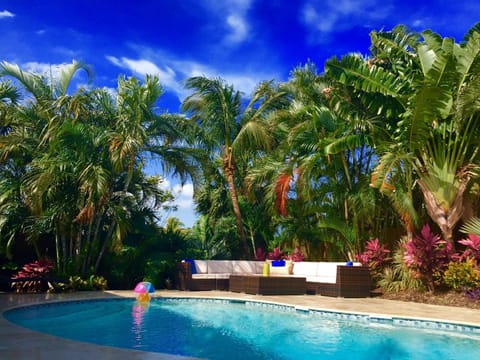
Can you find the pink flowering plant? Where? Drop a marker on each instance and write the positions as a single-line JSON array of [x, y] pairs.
[[296, 255], [472, 250], [33, 277], [428, 256], [276, 254], [260, 254], [375, 256]]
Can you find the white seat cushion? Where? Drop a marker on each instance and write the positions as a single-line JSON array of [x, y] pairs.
[[204, 276], [322, 279]]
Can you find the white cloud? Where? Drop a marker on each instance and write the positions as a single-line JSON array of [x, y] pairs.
[[319, 21], [143, 67], [183, 200], [238, 28], [46, 69], [6, 14], [419, 23], [245, 84], [234, 15], [322, 18], [183, 196], [41, 68], [172, 72]]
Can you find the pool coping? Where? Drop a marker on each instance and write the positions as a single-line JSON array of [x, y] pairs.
[[20, 343]]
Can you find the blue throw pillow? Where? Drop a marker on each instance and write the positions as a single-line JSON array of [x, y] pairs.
[[278, 263], [192, 265]]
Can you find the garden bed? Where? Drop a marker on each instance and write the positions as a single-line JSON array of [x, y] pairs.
[[447, 298]]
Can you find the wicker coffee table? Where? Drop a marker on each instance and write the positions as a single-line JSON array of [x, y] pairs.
[[268, 285]]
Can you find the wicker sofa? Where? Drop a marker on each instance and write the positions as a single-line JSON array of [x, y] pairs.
[[323, 278], [335, 278], [213, 274]]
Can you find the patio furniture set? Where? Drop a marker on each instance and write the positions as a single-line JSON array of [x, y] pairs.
[[337, 279]]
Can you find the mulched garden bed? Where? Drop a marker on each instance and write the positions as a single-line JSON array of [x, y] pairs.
[[448, 298]]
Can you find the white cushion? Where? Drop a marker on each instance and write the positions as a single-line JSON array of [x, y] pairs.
[[321, 279], [201, 266], [327, 269], [247, 267], [220, 267], [222, 276], [203, 276], [305, 268], [280, 270]]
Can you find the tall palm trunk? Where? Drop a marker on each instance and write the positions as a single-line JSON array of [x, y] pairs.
[[105, 244], [229, 169]]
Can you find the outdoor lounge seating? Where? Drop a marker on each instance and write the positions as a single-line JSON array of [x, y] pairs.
[[323, 278], [213, 274], [335, 278]]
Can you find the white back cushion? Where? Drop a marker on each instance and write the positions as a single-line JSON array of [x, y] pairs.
[[220, 267], [201, 266], [247, 267]]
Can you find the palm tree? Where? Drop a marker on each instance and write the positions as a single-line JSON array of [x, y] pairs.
[[137, 130], [317, 177], [423, 91], [83, 156], [31, 126], [230, 131]]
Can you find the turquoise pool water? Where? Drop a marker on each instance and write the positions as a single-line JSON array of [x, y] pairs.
[[222, 329]]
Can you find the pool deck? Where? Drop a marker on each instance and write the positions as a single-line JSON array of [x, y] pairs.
[[20, 343]]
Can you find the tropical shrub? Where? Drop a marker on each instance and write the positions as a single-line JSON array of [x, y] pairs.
[[462, 275], [276, 254], [375, 257], [296, 255], [77, 283], [398, 276], [260, 254], [33, 277], [472, 248], [98, 282], [428, 255]]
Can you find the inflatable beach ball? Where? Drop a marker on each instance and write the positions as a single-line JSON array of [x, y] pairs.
[[143, 290]]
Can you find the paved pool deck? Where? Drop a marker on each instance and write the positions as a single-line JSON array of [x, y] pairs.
[[20, 343]]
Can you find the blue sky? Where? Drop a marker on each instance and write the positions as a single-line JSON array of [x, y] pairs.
[[242, 41]]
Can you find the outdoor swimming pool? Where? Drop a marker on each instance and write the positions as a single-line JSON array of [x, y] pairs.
[[227, 329]]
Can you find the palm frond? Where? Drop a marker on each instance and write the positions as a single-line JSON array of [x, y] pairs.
[[35, 84], [399, 43], [348, 142], [282, 187], [9, 93], [471, 226], [353, 70], [67, 73]]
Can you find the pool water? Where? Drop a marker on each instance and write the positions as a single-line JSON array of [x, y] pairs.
[[222, 329]]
